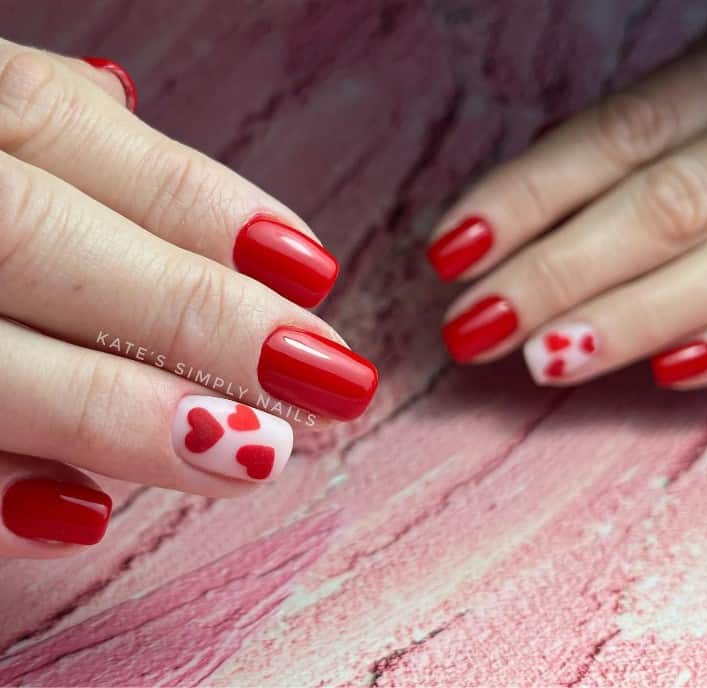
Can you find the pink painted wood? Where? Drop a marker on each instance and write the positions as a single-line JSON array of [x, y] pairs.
[[472, 529]]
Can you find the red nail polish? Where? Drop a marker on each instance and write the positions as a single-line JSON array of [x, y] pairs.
[[43, 509], [482, 327], [460, 248], [125, 79], [314, 372], [680, 363], [285, 260]]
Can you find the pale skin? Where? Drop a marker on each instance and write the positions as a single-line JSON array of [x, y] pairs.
[[108, 225], [602, 222]]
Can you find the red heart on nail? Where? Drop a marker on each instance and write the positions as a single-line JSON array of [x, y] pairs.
[[588, 344], [243, 419], [556, 342], [555, 368], [258, 460], [205, 430]]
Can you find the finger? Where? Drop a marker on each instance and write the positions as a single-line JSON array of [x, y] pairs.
[[654, 216], [683, 366], [111, 77], [75, 269], [131, 421], [570, 166], [627, 324], [49, 510], [56, 120]]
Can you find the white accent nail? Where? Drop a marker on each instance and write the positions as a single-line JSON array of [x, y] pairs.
[[225, 437], [559, 352]]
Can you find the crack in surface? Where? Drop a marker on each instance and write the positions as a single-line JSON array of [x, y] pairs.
[[475, 479]]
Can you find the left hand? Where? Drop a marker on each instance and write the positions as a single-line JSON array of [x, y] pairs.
[[623, 273]]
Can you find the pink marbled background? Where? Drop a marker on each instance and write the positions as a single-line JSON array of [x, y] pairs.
[[472, 529]]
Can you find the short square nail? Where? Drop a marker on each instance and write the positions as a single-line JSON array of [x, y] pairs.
[[316, 373], [560, 352], [480, 328], [286, 260], [51, 510], [460, 248], [680, 364], [227, 438]]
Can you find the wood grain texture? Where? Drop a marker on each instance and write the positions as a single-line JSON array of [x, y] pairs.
[[472, 529]]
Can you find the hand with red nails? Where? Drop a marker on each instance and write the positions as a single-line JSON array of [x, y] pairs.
[[153, 311], [589, 249]]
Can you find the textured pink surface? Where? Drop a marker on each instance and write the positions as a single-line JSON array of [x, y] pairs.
[[472, 529]]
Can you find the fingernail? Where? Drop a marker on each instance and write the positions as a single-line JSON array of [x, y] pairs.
[[286, 260], [460, 248], [119, 71], [227, 438], [487, 323], [560, 352], [680, 363], [316, 373], [43, 509]]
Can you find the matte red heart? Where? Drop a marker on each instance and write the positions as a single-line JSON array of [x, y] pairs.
[[205, 432], [555, 368], [258, 460], [588, 345], [556, 342], [243, 419]]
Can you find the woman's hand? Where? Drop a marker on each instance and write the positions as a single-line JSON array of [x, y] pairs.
[[590, 246], [117, 256]]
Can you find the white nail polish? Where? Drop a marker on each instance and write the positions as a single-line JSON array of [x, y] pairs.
[[225, 437], [560, 352]]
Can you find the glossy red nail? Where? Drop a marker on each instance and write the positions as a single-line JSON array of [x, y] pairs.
[[317, 374], [119, 71], [460, 248], [285, 260], [680, 363], [487, 323], [43, 509]]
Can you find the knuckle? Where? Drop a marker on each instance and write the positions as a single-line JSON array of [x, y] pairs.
[[672, 200], [203, 311], [31, 95], [633, 127], [526, 196], [182, 195], [553, 278], [21, 210], [104, 384]]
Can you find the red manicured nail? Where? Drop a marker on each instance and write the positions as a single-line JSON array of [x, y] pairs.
[[482, 327], [125, 79], [285, 260], [681, 363], [460, 248], [314, 372], [43, 509]]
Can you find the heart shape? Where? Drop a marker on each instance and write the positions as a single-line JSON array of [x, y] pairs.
[[556, 342], [205, 430], [588, 345], [555, 368], [243, 419], [258, 460]]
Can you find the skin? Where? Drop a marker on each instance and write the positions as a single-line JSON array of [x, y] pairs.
[[603, 222], [108, 225]]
